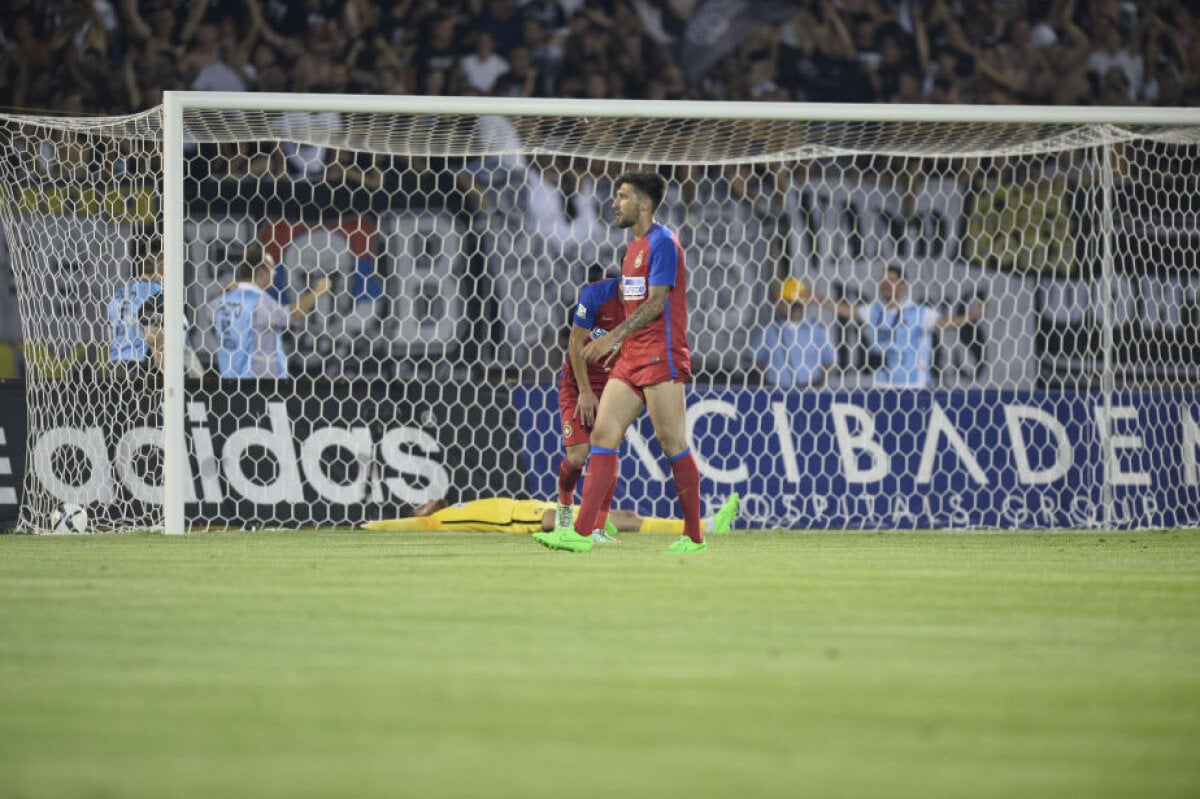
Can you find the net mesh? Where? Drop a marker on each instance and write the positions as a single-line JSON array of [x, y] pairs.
[[1046, 261]]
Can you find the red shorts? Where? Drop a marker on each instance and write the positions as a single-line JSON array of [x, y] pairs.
[[639, 376], [574, 431]]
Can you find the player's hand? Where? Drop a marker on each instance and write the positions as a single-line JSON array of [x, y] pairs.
[[585, 409], [601, 349]]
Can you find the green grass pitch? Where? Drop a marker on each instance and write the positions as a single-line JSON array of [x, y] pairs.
[[352, 664]]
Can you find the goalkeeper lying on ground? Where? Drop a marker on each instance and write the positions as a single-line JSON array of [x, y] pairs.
[[507, 515]]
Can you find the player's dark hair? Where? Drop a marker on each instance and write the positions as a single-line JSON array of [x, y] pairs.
[[252, 259], [894, 269], [648, 184]]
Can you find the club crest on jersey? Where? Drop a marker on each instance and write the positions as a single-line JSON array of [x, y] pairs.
[[637, 262], [633, 288]]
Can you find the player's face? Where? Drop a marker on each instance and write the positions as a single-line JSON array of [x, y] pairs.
[[891, 288], [627, 205]]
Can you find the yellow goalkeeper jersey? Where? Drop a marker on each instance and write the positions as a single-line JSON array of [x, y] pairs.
[[489, 515]]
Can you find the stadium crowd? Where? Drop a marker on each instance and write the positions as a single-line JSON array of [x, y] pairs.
[[102, 57], [117, 56]]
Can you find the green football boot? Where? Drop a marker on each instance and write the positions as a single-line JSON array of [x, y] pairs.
[[685, 546], [565, 538], [722, 522]]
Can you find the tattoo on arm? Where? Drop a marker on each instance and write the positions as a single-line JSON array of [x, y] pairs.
[[646, 313]]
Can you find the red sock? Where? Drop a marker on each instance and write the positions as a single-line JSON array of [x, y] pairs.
[[601, 482], [687, 488], [568, 478], [606, 505]]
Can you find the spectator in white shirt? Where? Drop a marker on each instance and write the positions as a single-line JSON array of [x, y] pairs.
[[1111, 50], [212, 72], [481, 68]]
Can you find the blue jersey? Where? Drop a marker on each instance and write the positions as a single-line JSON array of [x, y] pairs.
[[902, 337], [249, 327], [796, 353], [128, 342], [591, 314], [600, 309]]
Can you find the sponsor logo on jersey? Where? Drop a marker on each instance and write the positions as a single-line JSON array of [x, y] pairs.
[[567, 431], [633, 288]]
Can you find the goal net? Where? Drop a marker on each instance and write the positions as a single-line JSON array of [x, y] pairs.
[[900, 317]]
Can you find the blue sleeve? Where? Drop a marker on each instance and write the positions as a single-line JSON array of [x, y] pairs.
[[114, 306], [592, 296], [664, 259]]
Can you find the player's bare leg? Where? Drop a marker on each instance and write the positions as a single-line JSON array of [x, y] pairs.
[[667, 407], [619, 406]]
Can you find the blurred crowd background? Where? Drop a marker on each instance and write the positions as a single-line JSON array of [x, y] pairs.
[[425, 252], [117, 56]]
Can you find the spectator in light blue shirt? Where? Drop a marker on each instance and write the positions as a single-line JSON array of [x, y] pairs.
[[901, 330], [249, 323], [135, 314], [794, 351], [128, 346]]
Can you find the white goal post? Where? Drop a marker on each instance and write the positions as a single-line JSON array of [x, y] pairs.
[[459, 229]]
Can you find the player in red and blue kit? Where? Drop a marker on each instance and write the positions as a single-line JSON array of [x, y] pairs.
[[653, 367], [580, 386]]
